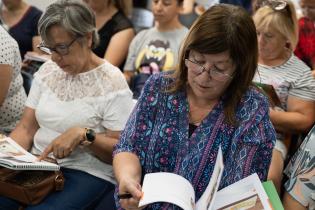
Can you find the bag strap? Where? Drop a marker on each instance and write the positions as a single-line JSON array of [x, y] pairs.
[[59, 181]]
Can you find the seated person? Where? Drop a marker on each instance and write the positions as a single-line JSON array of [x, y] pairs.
[[305, 48], [182, 117], [12, 94], [157, 47], [77, 106], [21, 21], [114, 28], [299, 189], [276, 25]]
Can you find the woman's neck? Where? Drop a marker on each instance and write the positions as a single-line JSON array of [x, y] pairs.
[[277, 61], [16, 9], [104, 14]]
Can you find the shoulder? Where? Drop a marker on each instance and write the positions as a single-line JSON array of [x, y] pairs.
[[34, 12], [111, 76], [122, 20], [47, 69], [8, 44], [252, 101], [296, 65]]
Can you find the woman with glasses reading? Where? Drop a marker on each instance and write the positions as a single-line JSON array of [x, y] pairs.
[[181, 118], [276, 25], [76, 108]]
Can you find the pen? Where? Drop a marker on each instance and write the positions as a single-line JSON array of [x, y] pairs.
[[124, 196]]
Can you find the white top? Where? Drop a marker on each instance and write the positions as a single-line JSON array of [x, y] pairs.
[[12, 108], [98, 99]]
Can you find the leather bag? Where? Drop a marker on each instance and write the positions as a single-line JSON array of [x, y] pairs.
[[29, 187]]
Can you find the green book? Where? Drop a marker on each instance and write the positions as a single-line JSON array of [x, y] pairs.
[[273, 195]]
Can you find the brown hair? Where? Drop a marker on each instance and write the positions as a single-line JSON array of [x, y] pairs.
[[123, 5], [223, 28]]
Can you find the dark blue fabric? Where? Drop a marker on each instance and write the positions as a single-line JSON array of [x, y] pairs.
[[81, 191], [243, 3], [24, 31]]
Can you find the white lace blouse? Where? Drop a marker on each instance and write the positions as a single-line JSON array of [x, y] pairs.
[[98, 99]]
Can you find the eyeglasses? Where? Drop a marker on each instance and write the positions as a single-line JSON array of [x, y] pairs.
[[274, 4], [214, 73], [61, 49]]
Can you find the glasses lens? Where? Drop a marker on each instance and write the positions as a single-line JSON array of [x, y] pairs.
[[62, 49], [194, 67], [218, 75]]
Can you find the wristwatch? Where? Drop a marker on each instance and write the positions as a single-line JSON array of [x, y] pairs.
[[89, 137]]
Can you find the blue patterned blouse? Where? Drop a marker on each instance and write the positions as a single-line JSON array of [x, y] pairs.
[[157, 132]]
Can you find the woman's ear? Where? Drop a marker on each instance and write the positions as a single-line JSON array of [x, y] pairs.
[[89, 38]]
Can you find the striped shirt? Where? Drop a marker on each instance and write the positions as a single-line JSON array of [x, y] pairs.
[[293, 78]]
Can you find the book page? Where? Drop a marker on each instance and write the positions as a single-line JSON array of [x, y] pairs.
[[247, 193], [15, 157], [9, 148], [206, 200], [167, 187]]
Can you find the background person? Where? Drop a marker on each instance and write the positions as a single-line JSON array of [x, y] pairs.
[[299, 189], [12, 94], [114, 28], [157, 47], [305, 48], [76, 108], [276, 25], [181, 118], [21, 21]]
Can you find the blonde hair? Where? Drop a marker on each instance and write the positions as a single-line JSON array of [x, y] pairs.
[[283, 21]]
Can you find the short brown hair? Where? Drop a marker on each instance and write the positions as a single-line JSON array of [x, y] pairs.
[[223, 28]]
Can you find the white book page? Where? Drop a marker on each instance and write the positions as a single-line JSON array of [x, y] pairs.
[[167, 187], [207, 198], [246, 193], [13, 156], [9, 148]]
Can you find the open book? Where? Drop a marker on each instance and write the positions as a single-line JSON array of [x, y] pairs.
[[270, 92], [247, 193], [13, 156]]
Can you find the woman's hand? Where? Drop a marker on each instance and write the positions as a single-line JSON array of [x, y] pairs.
[[128, 185], [64, 144]]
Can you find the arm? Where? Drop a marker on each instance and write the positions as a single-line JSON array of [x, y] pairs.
[[5, 80], [25, 130], [35, 42], [127, 171], [64, 144], [117, 49], [299, 117], [188, 6]]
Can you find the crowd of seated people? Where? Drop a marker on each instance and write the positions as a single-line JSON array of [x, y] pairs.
[[191, 85]]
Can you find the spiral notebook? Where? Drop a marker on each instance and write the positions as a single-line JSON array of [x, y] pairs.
[[13, 156]]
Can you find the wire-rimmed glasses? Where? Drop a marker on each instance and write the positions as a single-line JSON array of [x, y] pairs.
[[61, 49], [198, 69]]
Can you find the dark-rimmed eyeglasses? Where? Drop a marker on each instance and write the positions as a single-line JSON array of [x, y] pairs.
[[61, 49], [198, 69]]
